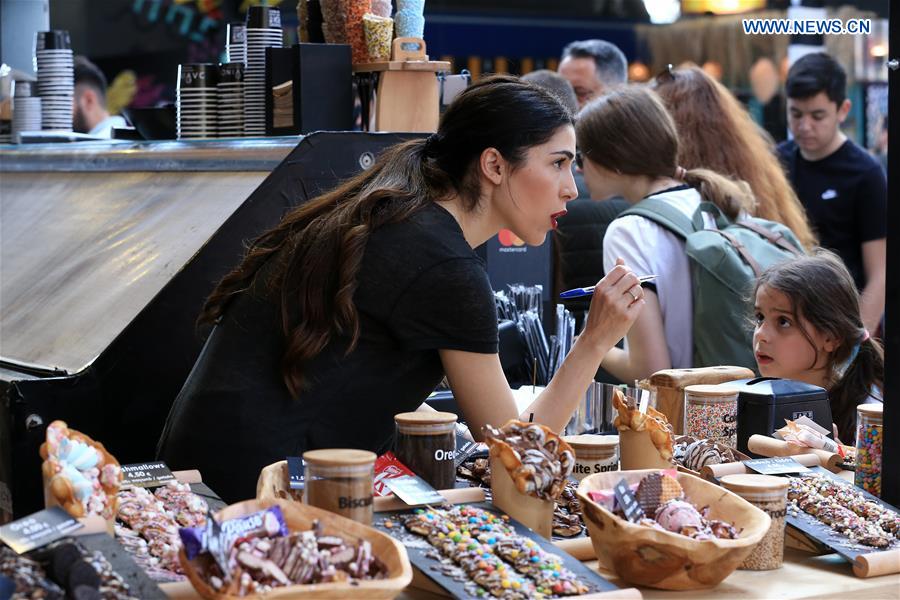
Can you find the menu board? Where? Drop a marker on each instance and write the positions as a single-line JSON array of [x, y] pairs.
[[425, 558]]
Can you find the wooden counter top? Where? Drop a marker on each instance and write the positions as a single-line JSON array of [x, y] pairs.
[[803, 576]]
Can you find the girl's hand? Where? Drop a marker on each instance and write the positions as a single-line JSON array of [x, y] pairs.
[[617, 302], [834, 431]]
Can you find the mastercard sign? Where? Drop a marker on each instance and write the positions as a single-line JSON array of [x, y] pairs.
[[508, 238]]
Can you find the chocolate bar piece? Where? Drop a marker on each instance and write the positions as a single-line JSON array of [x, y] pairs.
[[845, 509], [265, 523], [494, 556]]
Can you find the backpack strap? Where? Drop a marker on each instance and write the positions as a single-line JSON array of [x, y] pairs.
[[742, 250], [664, 214], [775, 238]]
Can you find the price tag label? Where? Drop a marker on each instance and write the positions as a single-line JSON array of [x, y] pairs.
[[39, 529], [149, 474], [465, 448], [627, 501], [414, 490], [296, 472], [778, 465]]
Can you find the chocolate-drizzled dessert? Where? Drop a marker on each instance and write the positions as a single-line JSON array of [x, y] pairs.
[[537, 459], [261, 563], [63, 569], [488, 550], [845, 509], [567, 519], [695, 454]]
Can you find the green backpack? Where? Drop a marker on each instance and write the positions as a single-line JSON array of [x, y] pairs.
[[726, 257]]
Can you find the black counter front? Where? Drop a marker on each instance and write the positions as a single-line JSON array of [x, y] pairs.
[[108, 251]]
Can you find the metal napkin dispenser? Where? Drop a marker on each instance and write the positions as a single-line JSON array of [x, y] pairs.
[[764, 403]]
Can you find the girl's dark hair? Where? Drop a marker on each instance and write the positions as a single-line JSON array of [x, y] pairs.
[[630, 131], [822, 292], [814, 73], [325, 238]]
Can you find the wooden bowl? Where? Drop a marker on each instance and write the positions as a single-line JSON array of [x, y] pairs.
[[299, 517], [274, 483], [650, 557]]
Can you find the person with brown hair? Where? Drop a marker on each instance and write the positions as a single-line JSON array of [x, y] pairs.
[[798, 336], [717, 133], [356, 305], [642, 162]]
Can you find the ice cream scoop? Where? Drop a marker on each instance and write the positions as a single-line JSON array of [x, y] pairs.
[[679, 516]]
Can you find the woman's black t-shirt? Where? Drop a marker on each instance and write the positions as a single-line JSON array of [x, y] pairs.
[[421, 288]]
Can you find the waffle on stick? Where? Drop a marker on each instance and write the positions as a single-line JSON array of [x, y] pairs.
[[652, 421]]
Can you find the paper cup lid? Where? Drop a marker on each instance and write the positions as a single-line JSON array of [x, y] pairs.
[[421, 417], [748, 483], [335, 457], [591, 442]]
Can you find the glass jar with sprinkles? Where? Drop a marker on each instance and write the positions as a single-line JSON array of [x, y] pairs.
[[869, 439], [711, 413]]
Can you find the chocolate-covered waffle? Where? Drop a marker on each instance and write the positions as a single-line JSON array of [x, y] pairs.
[[536, 458], [653, 422]]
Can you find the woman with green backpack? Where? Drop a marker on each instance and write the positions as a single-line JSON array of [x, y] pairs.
[[688, 227]]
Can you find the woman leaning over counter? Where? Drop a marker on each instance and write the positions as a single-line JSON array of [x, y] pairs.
[[355, 306]]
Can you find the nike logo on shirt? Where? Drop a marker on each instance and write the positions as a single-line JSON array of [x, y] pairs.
[[829, 194]]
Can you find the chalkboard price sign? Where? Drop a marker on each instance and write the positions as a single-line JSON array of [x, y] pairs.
[[38, 529], [778, 465], [414, 490], [148, 474]]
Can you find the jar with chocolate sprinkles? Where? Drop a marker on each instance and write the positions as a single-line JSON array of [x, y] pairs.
[[425, 442]]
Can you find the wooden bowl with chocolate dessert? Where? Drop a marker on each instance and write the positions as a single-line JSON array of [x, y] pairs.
[[681, 533], [309, 553]]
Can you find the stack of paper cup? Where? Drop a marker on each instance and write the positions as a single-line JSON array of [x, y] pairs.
[[26, 110], [230, 111], [263, 31], [197, 100], [236, 43], [56, 78]]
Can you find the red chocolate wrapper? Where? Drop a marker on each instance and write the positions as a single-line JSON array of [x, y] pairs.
[[387, 466]]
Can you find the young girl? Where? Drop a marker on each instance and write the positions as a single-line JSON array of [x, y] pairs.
[[808, 328], [355, 306], [630, 147]]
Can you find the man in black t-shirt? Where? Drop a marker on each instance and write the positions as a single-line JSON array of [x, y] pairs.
[[841, 186]]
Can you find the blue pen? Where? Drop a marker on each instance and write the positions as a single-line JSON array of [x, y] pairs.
[[589, 291]]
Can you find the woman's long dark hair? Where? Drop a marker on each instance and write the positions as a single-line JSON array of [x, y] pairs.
[[821, 291], [630, 131], [325, 239]]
